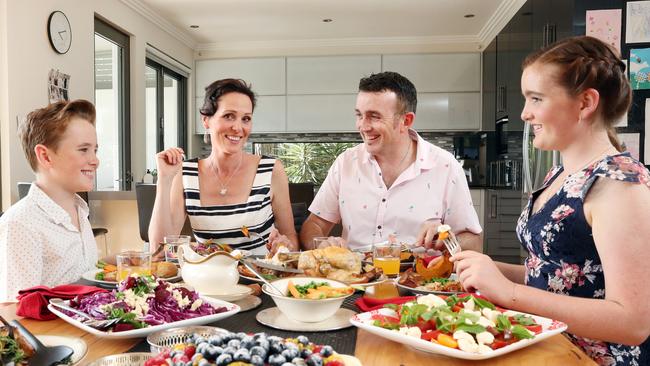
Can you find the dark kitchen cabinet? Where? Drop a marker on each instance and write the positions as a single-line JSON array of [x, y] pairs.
[[502, 210], [552, 21], [489, 83]]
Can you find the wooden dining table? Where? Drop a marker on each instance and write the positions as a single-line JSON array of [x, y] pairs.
[[371, 350]]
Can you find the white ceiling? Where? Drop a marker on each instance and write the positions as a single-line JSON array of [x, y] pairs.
[[257, 21]]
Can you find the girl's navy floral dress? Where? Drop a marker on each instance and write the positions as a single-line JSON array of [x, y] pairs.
[[562, 254]]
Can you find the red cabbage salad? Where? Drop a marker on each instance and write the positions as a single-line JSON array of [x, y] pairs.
[[142, 301]]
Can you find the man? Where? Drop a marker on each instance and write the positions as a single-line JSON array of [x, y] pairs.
[[394, 183]]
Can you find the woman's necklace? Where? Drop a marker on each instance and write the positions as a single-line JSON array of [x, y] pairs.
[[224, 187]]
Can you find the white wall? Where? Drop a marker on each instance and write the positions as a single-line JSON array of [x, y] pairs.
[[26, 58]]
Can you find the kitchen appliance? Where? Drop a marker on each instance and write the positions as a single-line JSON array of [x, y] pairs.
[[501, 132], [536, 164], [506, 173]]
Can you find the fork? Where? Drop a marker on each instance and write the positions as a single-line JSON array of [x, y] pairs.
[[452, 244], [90, 321]]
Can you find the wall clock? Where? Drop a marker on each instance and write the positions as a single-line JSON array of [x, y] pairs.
[[59, 32]]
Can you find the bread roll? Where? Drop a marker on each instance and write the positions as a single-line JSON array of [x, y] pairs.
[[164, 269]]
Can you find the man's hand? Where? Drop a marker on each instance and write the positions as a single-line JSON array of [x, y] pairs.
[[276, 240], [428, 231], [332, 241]]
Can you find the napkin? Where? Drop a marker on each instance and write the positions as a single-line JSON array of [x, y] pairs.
[[32, 302], [368, 304]]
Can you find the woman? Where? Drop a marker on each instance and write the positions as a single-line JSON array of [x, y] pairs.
[[228, 190], [46, 238], [586, 229]]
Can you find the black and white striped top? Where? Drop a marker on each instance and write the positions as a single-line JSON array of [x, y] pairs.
[[223, 223]]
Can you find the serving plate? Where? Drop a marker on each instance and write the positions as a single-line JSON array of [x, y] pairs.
[[232, 309], [364, 321], [90, 276]]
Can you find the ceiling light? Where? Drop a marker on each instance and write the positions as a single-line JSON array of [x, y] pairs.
[[327, 20], [469, 15], [194, 26]]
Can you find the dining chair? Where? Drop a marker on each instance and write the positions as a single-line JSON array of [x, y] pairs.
[[145, 194]]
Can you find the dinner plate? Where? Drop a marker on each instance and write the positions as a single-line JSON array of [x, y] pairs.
[[365, 284], [90, 276], [231, 309], [406, 290], [249, 302], [274, 318], [79, 347], [239, 292], [364, 321]]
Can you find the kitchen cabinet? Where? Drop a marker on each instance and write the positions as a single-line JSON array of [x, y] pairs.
[[321, 113], [502, 210], [329, 74], [478, 201], [266, 75], [552, 20], [269, 114], [448, 111], [489, 82], [430, 73]]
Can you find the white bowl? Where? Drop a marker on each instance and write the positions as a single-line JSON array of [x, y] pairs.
[[305, 310]]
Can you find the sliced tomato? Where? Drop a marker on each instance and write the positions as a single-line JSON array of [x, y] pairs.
[[456, 308], [385, 318], [429, 335], [498, 344], [534, 328], [424, 325]]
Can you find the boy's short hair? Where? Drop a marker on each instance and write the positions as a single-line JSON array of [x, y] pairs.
[[46, 126]]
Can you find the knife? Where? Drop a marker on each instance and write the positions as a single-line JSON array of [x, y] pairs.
[[276, 267]]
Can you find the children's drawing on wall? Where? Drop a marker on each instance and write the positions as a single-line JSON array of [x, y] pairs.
[[605, 25], [640, 68], [58, 86], [637, 25]]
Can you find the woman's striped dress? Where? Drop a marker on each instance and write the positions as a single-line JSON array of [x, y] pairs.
[[223, 223]]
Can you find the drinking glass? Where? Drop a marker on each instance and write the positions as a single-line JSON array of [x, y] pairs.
[[133, 262], [387, 257], [171, 243], [318, 240]]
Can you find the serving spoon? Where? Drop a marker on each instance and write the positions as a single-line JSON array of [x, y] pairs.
[[43, 355], [259, 275], [90, 321]]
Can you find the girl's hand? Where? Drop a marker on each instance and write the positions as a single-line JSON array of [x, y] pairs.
[[169, 162], [478, 272]]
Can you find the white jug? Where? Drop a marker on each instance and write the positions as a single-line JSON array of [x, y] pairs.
[[215, 274]]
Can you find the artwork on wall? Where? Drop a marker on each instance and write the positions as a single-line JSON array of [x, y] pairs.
[[637, 25], [640, 68], [605, 25], [58, 86], [631, 142]]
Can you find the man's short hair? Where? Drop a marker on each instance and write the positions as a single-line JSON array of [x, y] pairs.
[[391, 81], [46, 126]]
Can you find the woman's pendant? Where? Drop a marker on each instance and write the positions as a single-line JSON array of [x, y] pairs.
[[223, 191]]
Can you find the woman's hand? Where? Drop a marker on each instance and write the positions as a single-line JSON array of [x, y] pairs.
[[169, 162], [478, 272], [276, 240]]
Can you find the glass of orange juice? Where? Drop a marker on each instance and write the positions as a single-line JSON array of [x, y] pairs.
[[133, 262], [387, 257]]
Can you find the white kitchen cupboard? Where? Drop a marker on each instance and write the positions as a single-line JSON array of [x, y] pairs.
[[448, 111], [267, 75], [438, 72], [478, 199], [269, 115], [321, 113], [329, 74]]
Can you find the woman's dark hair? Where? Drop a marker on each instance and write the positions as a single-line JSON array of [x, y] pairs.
[[586, 62], [220, 88], [398, 84]]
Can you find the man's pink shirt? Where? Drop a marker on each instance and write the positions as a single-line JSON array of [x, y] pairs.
[[432, 188]]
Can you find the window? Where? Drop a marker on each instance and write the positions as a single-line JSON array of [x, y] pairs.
[[166, 110], [113, 107]]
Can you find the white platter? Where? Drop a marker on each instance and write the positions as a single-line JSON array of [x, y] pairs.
[[363, 321], [411, 290], [79, 347], [274, 318], [239, 292], [90, 276], [232, 309]]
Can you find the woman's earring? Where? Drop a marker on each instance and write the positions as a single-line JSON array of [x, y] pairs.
[[206, 136]]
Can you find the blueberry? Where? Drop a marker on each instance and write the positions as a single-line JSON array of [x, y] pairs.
[[326, 351], [288, 364], [276, 347], [257, 350], [303, 340], [204, 362], [247, 343], [299, 361], [242, 355], [234, 343], [315, 360], [291, 345], [230, 350], [257, 336], [305, 353], [212, 352], [216, 340], [274, 339], [290, 353], [200, 339], [241, 335], [263, 343], [224, 359], [201, 348], [257, 360], [276, 360]]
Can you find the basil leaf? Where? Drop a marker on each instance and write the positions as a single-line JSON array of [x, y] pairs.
[[483, 303], [474, 328], [503, 323], [520, 332], [524, 319], [452, 300], [391, 306]]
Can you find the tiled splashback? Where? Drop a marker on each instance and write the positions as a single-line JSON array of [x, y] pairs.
[[444, 140]]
